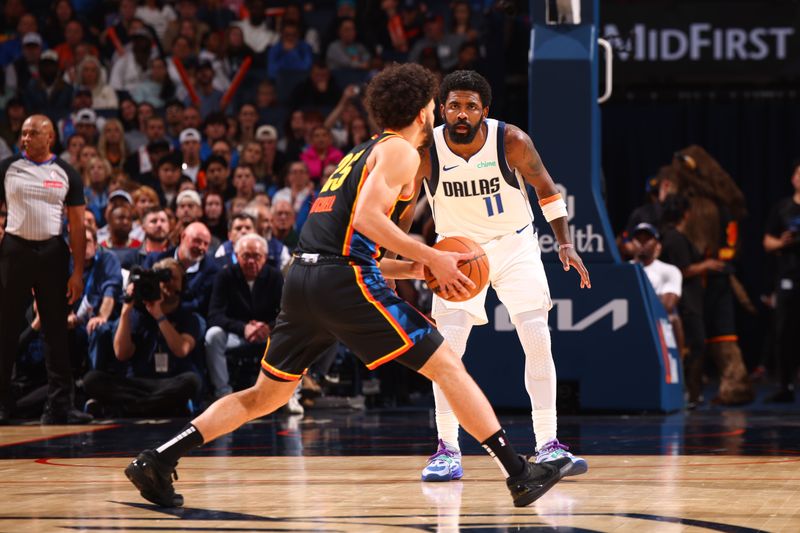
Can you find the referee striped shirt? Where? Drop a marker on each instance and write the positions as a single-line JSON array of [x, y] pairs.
[[35, 195]]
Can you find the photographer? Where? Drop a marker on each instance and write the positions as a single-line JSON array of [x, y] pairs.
[[244, 304], [157, 338], [782, 238]]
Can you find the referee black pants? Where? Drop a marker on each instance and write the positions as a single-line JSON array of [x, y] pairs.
[[44, 267]]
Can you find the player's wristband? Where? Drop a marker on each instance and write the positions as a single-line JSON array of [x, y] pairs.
[[161, 319], [566, 245], [553, 207]]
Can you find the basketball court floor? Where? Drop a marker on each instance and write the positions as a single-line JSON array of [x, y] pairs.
[[732, 471]]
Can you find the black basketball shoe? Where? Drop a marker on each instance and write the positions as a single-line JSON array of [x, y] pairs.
[[153, 477], [529, 485]]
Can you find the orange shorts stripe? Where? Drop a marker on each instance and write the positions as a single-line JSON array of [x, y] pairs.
[[407, 342], [722, 338], [274, 371], [550, 199]]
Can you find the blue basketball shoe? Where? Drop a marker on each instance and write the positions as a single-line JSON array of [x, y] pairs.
[[555, 453], [444, 465]]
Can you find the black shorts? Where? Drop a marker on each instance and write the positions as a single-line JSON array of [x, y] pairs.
[[326, 302]]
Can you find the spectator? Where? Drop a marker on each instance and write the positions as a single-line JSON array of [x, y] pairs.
[[244, 304], [26, 66], [357, 133], [96, 176], [294, 141], [215, 127], [116, 198], [255, 33], [74, 144], [462, 23], [48, 94], [189, 209], [289, 53], [86, 125], [339, 119], [445, 44], [144, 198], [55, 25], [272, 159], [120, 224], [131, 69], [111, 144], [168, 173], [11, 127], [319, 92], [191, 118], [186, 18], [299, 188], [236, 52], [155, 132], [657, 190], [156, 228], [159, 345], [102, 286], [217, 174], [239, 224], [244, 182], [157, 15], [223, 148], [283, 218], [247, 120], [181, 53], [68, 50], [252, 156], [190, 150], [129, 116], [174, 118], [270, 111], [214, 215], [320, 153], [157, 88], [200, 269], [277, 254], [121, 29], [204, 86], [87, 153], [346, 51], [782, 238]]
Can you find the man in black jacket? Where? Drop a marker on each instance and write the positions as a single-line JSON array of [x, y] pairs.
[[245, 301]]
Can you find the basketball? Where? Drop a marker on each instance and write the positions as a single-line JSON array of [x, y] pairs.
[[476, 269]]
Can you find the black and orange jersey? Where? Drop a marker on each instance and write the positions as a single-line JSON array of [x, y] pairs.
[[329, 228]]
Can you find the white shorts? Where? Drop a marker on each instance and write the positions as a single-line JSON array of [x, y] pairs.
[[516, 274]]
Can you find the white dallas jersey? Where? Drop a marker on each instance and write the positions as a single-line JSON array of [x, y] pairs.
[[482, 198]]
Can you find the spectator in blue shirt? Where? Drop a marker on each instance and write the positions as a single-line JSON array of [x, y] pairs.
[[290, 53]]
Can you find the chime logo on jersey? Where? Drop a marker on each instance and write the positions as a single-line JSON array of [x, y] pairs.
[[481, 187]]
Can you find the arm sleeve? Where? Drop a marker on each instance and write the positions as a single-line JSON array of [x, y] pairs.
[[75, 192]]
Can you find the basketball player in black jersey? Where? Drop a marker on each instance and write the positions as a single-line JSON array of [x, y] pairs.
[[336, 290]]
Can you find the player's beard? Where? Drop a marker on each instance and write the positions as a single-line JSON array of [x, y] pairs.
[[463, 138], [427, 140]]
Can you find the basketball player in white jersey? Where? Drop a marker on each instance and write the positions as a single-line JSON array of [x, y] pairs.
[[475, 176]]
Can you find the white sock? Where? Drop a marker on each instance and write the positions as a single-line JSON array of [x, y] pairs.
[[455, 328], [446, 421], [544, 426]]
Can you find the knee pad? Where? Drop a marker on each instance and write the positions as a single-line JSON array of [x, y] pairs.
[[534, 334], [455, 328]]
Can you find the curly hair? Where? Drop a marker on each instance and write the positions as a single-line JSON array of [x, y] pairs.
[[466, 80], [396, 95]]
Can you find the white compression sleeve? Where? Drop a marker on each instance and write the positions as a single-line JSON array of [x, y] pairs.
[[540, 372], [454, 327]]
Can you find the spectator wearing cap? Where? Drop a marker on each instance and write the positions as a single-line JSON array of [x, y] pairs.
[[26, 66], [444, 43], [48, 94], [96, 176], [131, 69], [188, 209], [81, 99], [90, 73], [245, 302], [657, 191], [204, 87], [86, 125], [666, 279], [190, 150], [272, 159], [116, 198], [201, 269]]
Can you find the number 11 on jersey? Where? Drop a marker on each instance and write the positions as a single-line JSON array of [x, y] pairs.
[[497, 201]]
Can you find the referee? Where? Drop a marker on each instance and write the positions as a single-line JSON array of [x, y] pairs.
[[36, 186]]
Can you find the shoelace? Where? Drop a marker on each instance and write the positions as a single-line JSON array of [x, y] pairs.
[[443, 450], [554, 445]]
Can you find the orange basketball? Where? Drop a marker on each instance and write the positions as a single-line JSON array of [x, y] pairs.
[[476, 269]]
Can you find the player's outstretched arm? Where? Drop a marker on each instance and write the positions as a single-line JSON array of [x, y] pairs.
[[393, 165], [521, 155]]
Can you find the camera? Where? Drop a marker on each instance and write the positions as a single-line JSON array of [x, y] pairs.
[[146, 283]]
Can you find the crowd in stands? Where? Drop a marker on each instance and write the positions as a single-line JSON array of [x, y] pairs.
[[203, 132]]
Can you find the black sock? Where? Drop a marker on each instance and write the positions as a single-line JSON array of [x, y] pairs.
[[181, 444], [503, 452]]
